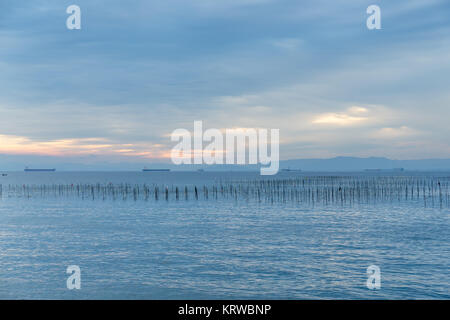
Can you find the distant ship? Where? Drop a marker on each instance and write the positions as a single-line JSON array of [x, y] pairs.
[[385, 170], [39, 170], [155, 170]]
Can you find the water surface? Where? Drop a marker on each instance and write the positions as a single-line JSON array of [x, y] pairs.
[[224, 248]]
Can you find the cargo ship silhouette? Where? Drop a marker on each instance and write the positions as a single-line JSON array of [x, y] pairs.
[[155, 170], [38, 170]]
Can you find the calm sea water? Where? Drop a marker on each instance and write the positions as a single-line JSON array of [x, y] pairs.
[[218, 248]]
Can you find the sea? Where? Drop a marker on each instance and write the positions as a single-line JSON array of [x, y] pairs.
[[131, 242]]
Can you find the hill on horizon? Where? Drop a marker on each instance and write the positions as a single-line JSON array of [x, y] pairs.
[[361, 164], [18, 163]]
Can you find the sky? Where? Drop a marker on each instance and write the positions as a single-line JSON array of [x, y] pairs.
[[137, 70]]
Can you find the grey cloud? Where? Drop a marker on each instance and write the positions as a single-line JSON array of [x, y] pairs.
[[138, 70]]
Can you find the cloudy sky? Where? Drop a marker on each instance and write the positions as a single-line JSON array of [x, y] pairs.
[[137, 70]]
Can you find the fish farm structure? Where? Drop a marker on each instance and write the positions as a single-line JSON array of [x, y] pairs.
[[325, 190]]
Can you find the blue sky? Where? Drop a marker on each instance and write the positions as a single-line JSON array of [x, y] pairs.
[[137, 70]]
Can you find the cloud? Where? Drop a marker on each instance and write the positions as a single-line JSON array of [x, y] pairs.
[[393, 133], [136, 72], [77, 147], [348, 118]]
